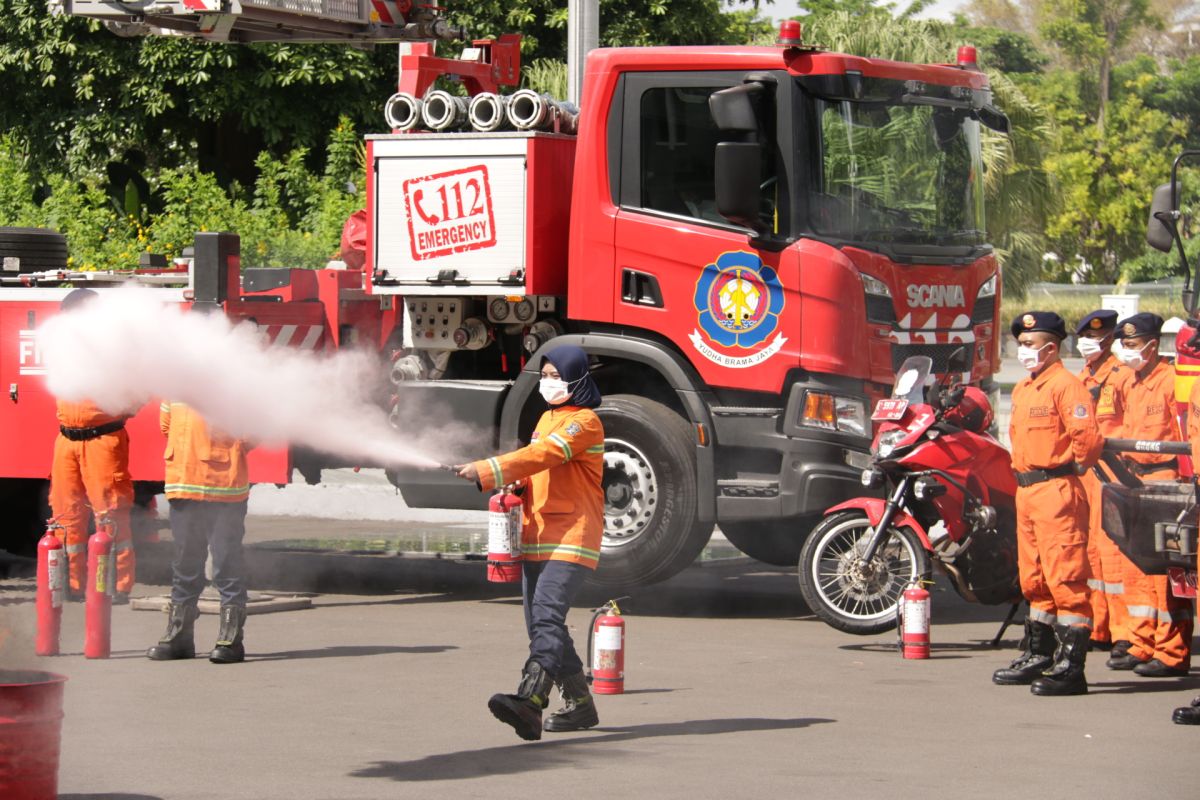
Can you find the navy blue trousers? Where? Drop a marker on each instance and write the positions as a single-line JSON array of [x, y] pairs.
[[548, 588], [198, 526]]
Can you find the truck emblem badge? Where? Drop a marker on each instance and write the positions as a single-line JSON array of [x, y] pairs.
[[450, 212], [738, 302]]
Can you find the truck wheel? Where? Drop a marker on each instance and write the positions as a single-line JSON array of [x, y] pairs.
[[35, 249], [650, 497], [775, 541], [847, 594]]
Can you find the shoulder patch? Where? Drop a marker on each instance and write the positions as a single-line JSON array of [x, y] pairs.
[[1081, 411], [574, 429]]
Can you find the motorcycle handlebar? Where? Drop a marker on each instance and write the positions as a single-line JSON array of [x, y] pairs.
[[1144, 446]]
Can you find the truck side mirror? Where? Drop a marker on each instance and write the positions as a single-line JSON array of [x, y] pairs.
[[1159, 235], [958, 360], [732, 109], [736, 172]]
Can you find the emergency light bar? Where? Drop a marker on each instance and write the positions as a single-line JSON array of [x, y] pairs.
[[366, 21]]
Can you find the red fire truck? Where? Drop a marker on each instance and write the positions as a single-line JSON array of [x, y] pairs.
[[746, 240]]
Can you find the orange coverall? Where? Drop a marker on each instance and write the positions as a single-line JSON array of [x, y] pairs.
[[1160, 625], [95, 473], [1052, 425], [1110, 620], [564, 504]]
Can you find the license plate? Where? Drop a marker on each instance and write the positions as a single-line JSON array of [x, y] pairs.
[[1183, 581], [889, 409]]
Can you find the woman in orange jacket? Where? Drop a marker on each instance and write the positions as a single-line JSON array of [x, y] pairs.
[[561, 470]]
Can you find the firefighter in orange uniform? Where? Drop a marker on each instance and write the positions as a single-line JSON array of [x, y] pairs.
[[1054, 440], [1100, 375], [560, 541], [1160, 626], [91, 468], [207, 485]]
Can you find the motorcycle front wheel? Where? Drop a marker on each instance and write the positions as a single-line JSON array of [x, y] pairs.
[[848, 594]]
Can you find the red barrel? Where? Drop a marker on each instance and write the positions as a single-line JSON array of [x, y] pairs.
[[30, 732]]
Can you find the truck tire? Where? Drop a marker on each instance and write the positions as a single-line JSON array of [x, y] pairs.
[[853, 600], [650, 495], [35, 249], [774, 541]]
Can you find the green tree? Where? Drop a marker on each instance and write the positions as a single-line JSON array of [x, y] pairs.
[[1091, 34]]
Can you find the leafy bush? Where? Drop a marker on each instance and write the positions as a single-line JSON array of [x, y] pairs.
[[292, 217]]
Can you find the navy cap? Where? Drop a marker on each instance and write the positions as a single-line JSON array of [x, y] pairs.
[[1046, 321], [1143, 324], [1104, 319]]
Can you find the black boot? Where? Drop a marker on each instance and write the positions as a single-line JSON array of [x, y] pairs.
[[229, 649], [1189, 715], [178, 641], [1039, 649], [579, 709], [1121, 647], [1065, 676], [523, 710]]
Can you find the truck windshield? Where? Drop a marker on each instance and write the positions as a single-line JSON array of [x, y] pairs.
[[897, 173]]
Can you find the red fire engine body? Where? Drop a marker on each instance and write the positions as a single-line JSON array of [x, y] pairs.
[[747, 240]]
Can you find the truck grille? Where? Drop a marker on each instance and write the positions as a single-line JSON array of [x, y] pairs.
[[938, 353], [984, 311]]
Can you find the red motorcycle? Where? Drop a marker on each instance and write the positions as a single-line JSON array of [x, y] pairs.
[[951, 504]]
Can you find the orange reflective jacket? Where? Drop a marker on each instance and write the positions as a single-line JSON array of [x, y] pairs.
[[564, 504], [1150, 412], [1052, 423], [202, 464]]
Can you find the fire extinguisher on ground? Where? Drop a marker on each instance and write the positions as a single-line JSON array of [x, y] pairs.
[[51, 589], [912, 621], [505, 512], [606, 649], [101, 583]]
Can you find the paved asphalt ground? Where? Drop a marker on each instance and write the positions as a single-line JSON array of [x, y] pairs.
[[733, 690]]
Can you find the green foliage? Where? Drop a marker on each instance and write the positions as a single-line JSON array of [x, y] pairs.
[[292, 217], [547, 76]]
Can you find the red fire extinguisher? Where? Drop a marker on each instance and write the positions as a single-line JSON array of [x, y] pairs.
[[51, 587], [504, 537], [912, 617], [606, 649], [101, 578]]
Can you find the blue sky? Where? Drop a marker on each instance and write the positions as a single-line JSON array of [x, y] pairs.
[[942, 9]]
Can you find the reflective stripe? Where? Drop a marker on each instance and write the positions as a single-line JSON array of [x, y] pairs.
[[1095, 585], [539, 549], [222, 491], [1142, 612], [119, 546], [1044, 617], [76, 548], [1114, 588], [596, 448], [1074, 619], [561, 442], [497, 473], [165, 407]]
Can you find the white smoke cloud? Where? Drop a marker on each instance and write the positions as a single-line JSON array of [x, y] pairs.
[[126, 347]]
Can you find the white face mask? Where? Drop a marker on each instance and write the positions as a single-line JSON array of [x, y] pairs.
[[554, 390], [1030, 357], [1089, 348], [1130, 357]]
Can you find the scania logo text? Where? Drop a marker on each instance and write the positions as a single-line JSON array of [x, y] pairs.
[[930, 295]]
